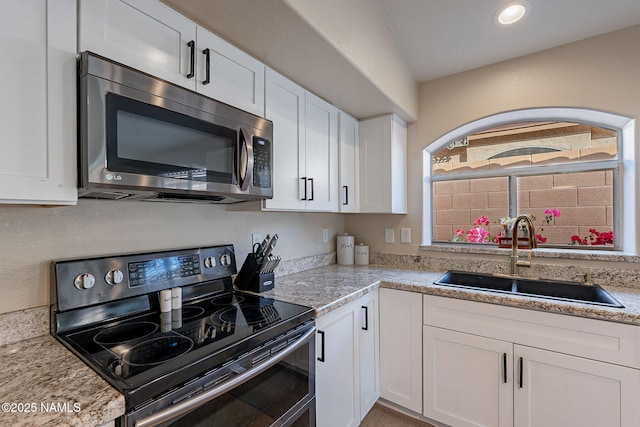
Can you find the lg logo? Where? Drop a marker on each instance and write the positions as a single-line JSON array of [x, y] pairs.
[[112, 177]]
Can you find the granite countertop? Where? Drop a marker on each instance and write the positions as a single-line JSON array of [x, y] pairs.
[[327, 288], [44, 384], [39, 374]]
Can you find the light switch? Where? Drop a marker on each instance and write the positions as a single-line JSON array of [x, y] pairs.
[[389, 235], [325, 235], [405, 235], [256, 238]]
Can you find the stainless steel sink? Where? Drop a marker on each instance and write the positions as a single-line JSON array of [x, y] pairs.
[[563, 291]]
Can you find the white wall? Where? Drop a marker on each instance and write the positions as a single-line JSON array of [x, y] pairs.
[[31, 237], [601, 73]]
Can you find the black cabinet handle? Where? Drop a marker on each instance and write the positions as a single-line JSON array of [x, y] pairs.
[[521, 381], [192, 59], [304, 178], [321, 358], [346, 195], [207, 63], [366, 318], [311, 179], [504, 368]]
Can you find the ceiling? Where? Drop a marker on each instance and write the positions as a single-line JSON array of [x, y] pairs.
[[443, 37], [342, 50]]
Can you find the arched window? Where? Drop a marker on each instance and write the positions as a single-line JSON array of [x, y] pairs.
[[571, 169]]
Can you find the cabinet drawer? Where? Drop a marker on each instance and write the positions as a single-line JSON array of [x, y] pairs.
[[594, 339]]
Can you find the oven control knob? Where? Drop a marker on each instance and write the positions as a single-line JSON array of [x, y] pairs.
[[209, 262], [225, 259], [114, 277], [85, 281]]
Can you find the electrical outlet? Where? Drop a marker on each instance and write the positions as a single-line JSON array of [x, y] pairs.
[[405, 235], [325, 235], [389, 235], [256, 238]]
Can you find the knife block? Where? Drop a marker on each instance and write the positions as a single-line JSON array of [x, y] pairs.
[[250, 279]]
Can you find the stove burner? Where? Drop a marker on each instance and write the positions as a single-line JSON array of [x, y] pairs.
[[157, 350], [191, 312], [125, 332], [254, 315], [225, 300]]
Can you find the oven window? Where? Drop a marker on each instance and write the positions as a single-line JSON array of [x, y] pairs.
[[149, 140], [274, 395]]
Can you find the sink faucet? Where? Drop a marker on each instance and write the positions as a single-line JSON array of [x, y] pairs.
[[514, 243]]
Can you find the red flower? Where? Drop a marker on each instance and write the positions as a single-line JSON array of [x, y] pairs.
[[540, 238]]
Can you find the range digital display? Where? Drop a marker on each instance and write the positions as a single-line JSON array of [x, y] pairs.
[[143, 273]]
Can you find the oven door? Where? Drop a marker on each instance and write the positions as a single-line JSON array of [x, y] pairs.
[[277, 392]]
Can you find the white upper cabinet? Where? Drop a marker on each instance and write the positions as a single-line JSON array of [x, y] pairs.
[[228, 74], [143, 34], [150, 36], [285, 107], [305, 148], [383, 165], [38, 132], [349, 161], [321, 162]]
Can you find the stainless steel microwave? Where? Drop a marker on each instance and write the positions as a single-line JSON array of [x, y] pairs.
[[142, 138]]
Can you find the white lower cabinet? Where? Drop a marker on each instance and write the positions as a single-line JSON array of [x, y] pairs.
[[347, 365], [558, 390], [500, 379], [401, 348], [468, 380]]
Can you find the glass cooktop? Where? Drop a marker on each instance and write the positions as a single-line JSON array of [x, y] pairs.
[[146, 348]]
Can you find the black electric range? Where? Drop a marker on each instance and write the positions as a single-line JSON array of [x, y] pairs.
[[109, 312]]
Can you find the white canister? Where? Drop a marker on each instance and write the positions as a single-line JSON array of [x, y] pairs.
[[345, 249], [362, 254], [165, 301]]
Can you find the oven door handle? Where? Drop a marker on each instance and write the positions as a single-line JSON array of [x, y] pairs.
[[190, 404]]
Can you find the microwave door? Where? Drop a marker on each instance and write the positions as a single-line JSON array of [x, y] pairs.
[[180, 151]]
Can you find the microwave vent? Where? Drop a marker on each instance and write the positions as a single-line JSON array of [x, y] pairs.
[[106, 195]]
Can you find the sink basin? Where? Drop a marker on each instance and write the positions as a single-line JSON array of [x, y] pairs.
[[563, 291]]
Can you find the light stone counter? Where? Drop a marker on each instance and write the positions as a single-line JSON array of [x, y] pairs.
[[46, 385], [327, 288], [41, 371]]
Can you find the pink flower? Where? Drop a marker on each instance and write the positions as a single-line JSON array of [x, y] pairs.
[[540, 238], [554, 212], [459, 232], [483, 220], [478, 235]]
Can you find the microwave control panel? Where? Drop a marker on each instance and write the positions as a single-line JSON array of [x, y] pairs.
[[261, 162]]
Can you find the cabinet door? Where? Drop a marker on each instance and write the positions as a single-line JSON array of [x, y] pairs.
[[38, 137], [467, 379], [285, 107], [349, 161], [369, 352], [231, 76], [383, 165], [337, 380], [557, 390], [321, 130], [401, 348], [143, 34]]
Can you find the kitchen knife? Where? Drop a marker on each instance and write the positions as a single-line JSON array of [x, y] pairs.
[[271, 245], [260, 252]]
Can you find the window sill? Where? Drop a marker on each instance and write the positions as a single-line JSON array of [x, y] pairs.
[[588, 255]]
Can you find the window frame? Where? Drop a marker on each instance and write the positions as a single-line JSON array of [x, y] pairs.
[[624, 180]]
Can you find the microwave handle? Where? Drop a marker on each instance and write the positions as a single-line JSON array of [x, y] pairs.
[[246, 160]]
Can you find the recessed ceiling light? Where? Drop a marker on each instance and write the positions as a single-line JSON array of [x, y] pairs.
[[511, 13]]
